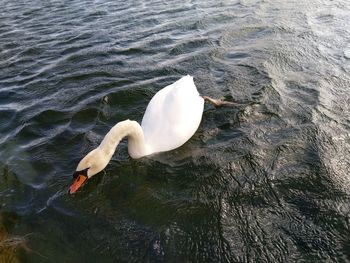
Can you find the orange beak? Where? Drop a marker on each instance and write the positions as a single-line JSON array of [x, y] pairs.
[[77, 183]]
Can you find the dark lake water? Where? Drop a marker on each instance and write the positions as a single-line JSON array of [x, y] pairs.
[[266, 181]]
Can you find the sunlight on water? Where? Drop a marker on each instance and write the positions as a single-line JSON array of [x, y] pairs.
[[264, 181]]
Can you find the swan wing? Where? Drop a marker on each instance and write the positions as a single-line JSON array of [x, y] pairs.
[[172, 116]]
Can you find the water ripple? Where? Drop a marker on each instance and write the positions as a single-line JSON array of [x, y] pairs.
[[264, 181]]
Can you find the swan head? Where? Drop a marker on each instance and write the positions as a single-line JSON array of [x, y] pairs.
[[93, 163]]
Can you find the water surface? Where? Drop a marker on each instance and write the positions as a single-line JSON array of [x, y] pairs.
[[267, 181]]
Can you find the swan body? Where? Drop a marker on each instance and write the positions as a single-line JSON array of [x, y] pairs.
[[171, 118]]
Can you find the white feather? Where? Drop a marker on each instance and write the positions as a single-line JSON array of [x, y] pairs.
[[171, 118]]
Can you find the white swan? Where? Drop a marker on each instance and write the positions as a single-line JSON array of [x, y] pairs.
[[171, 118]]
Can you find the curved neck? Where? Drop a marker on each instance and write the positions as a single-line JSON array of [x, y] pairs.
[[136, 141]]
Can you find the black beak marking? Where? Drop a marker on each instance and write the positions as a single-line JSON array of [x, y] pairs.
[[82, 172]]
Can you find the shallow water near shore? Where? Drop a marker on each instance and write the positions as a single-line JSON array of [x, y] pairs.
[[266, 181]]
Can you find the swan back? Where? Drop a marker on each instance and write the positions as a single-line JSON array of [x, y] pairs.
[[172, 116]]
